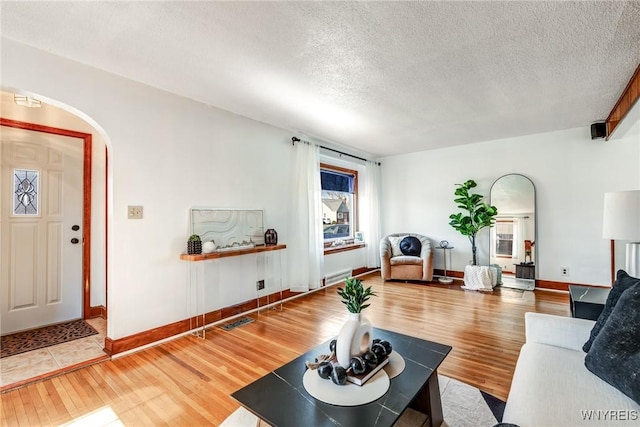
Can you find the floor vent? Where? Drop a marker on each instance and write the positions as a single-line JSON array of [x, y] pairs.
[[236, 323]]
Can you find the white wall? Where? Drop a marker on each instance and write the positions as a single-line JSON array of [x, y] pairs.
[[166, 153], [571, 173]]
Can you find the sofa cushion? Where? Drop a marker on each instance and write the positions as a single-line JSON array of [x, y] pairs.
[[395, 245], [410, 246], [406, 260], [615, 353], [622, 283], [552, 387]]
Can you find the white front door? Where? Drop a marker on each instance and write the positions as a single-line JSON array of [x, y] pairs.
[[41, 204]]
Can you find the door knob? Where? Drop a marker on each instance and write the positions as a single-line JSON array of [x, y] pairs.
[[75, 227], [75, 241]]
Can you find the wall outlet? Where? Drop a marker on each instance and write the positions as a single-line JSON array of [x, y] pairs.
[[134, 212], [260, 285], [564, 271]]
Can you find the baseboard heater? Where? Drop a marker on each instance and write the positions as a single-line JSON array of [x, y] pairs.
[[336, 277]]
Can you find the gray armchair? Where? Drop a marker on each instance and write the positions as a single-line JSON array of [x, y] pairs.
[[395, 265]]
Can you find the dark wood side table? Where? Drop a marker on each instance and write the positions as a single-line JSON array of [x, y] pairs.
[[587, 302], [525, 271]]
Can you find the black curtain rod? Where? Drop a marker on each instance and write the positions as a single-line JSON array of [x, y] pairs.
[[296, 139]]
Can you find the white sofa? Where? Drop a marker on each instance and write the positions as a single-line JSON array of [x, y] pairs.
[[552, 387]]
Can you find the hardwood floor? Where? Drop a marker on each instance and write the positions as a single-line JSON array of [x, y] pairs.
[[188, 381]]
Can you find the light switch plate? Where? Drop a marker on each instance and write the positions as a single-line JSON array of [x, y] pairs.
[[134, 212]]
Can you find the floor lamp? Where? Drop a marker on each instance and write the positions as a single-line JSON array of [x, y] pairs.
[[621, 221]]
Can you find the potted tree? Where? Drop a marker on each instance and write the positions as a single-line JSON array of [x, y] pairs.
[[478, 215]]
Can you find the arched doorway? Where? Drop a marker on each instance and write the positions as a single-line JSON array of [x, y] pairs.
[[58, 120]]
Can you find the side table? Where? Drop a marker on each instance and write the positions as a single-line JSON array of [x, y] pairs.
[[587, 302], [525, 271], [445, 280]]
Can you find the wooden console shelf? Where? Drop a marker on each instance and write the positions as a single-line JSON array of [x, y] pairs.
[[224, 254], [216, 285]]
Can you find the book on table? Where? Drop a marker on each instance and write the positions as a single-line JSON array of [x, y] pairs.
[[363, 378]]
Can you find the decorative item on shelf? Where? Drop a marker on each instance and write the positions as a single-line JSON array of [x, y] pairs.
[[359, 237], [338, 242], [479, 215], [444, 244], [355, 335], [270, 237], [528, 248], [194, 245], [209, 247]]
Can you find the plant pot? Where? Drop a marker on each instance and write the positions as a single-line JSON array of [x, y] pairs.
[[194, 247], [354, 339]]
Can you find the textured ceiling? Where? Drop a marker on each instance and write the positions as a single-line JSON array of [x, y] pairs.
[[383, 77]]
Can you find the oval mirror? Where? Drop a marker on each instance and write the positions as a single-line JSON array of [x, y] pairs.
[[513, 237]]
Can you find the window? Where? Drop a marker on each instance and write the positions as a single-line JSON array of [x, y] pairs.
[[504, 238], [25, 192], [339, 197]]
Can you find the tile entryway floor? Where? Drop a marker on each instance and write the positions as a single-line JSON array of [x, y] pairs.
[[39, 363]]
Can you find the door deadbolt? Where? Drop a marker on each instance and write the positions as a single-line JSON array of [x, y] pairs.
[[75, 227], [75, 240]]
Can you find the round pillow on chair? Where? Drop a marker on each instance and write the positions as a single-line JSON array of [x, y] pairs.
[[411, 246]]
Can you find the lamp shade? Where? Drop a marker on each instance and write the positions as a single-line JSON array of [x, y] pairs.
[[621, 219]]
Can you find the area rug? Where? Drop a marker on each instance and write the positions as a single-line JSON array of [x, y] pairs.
[[21, 342], [462, 404]]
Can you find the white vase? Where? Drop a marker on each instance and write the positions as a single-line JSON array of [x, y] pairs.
[[354, 339], [208, 247]]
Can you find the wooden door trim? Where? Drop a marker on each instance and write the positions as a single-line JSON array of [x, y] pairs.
[[86, 200]]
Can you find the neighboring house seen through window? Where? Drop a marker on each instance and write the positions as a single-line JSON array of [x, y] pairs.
[[339, 192]]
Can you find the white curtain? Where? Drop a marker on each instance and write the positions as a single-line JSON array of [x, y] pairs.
[[518, 237], [370, 214], [306, 245]]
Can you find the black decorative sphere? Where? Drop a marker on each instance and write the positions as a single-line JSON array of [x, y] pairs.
[[324, 370], [379, 351], [332, 345], [270, 237], [387, 346], [358, 365], [339, 375], [371, 359]]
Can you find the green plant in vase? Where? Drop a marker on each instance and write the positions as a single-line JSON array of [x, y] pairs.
[[354, 338], [354, 295], [479, 215]]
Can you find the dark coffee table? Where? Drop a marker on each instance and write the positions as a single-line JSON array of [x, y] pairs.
[[587, 302], [280, 399]]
